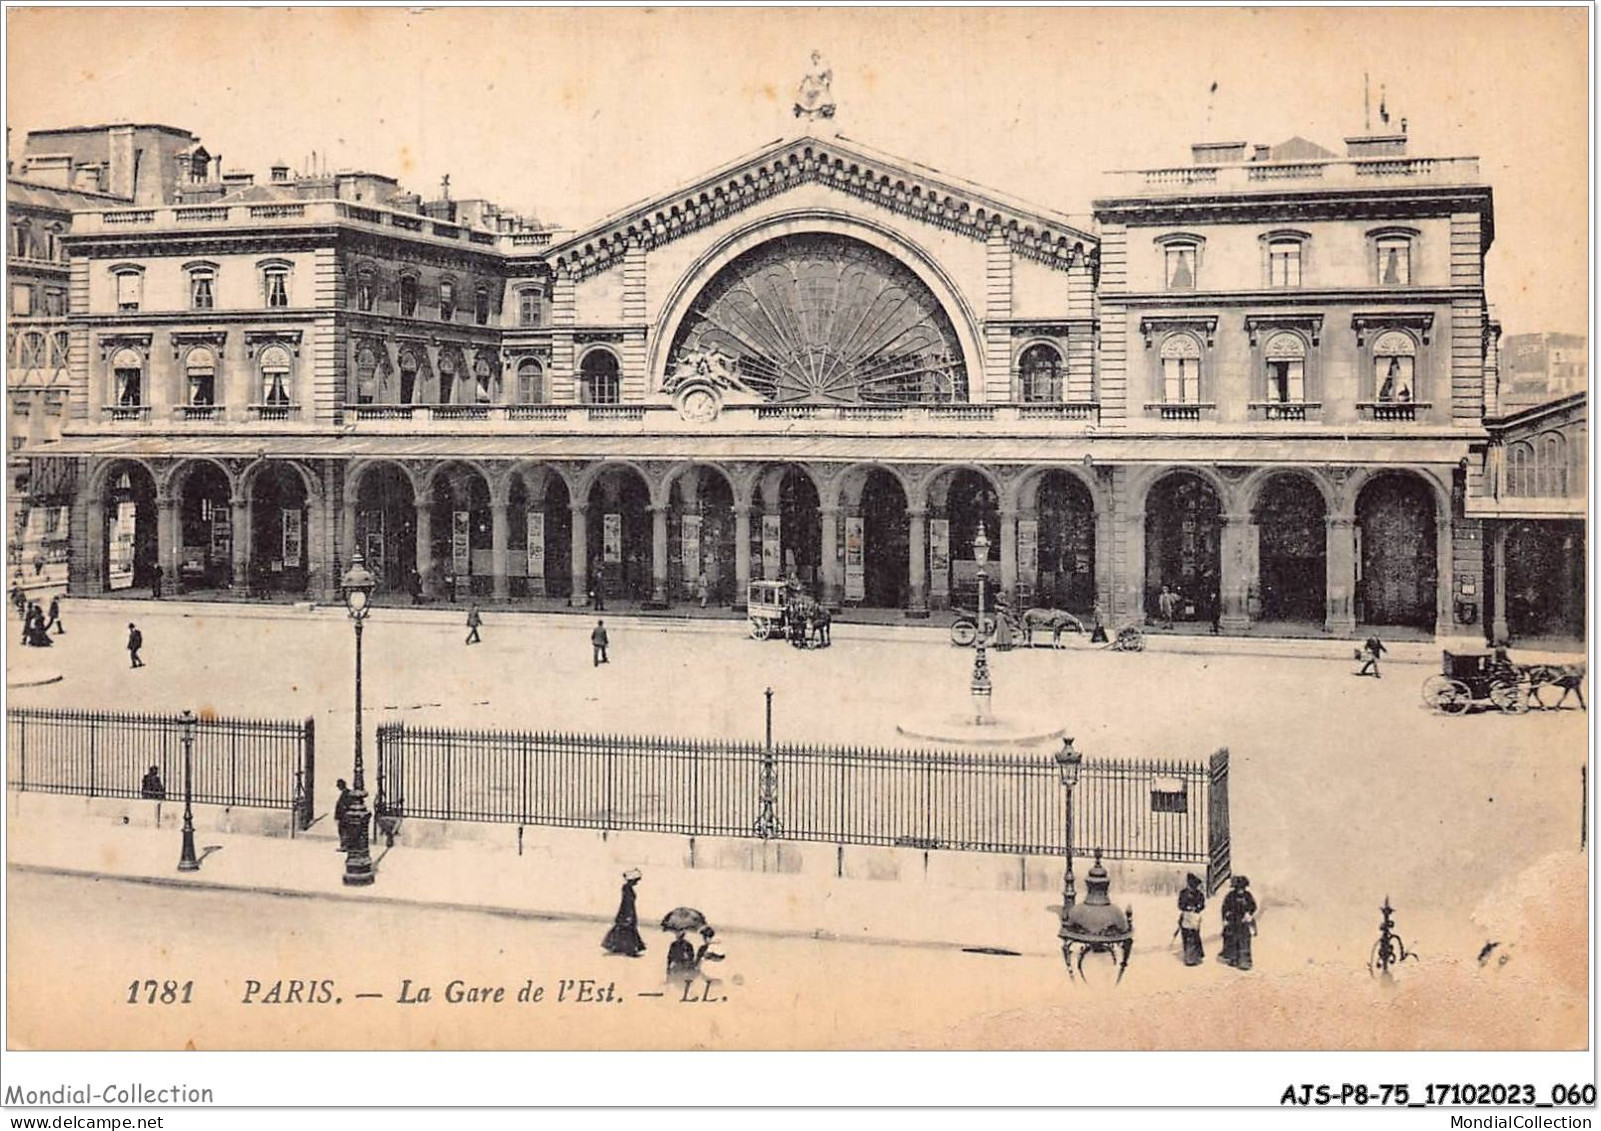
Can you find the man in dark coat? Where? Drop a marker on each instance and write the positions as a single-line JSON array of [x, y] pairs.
[[1371, 651], [151, 785], [55, 614], [1192, 901], [599, 640], [136, 641], [1239, 924], [346, 802], [598, 586], [474, 619], [623, 938], [155, 582]]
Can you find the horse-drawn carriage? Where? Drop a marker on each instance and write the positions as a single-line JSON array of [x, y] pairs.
[[1021, 628], [783, 610], [1467, 678]]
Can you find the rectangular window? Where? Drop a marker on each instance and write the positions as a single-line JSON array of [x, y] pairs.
[[129, 286], [530, 307], [1392, 376], [128, 387], [21, 300], [275, 387], [481, 308], [1284, 265], [202, 387], [447, 301], [277, 289], [55, 302], [1181, 267], [200, 295], [1181, 380], [408, 296], [1286, 382], [365, 297], [1395, 262]]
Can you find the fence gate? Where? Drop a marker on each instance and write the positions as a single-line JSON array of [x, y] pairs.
[[1217, 832]]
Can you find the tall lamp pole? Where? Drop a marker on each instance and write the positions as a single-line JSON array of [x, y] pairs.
[[187, 861], [981, 668], [1068, 762], [358, 584]]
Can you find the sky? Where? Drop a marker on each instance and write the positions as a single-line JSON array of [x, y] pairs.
[[570, 114]]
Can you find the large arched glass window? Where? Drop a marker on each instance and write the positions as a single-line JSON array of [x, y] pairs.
[[366, 375], [127, 373], [1039, 372], [1519, 469], [1285, 356], [530, 382], [1181, 370], [200, 367], [276, 382], [1394, 358], [1553, 458], [599, 377]]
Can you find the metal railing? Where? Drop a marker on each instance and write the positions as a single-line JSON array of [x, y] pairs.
[[251, 763], [1130, 809]]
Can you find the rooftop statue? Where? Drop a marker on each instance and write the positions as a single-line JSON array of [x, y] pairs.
[[814, 98]]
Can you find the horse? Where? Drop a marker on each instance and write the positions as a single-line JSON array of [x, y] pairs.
[[1056, 620], [1568, 677]]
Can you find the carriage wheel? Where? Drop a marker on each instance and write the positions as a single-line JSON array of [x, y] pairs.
[[760, 629], [963, 634], [1510, 697], [1448, 695]]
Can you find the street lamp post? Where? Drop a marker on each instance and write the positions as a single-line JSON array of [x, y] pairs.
[[981, 668], [1068, 763], [187, 861], [358, 585], [767, 826]]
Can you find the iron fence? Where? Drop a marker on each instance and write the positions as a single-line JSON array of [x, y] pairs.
[[1146, 809], [252, 763]]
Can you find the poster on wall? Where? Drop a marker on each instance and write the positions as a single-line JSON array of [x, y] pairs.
[[122, 528], [855, 558], [221, 534], [375, 552], [291, 538], [772, 541], [461, 527], [690, 547], [536, 553], [612, 539], [1028, 550], [939, 556]]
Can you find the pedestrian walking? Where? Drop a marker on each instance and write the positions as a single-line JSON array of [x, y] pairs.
[[474, 619], [414, 585], [702, 587], [136, 641], [19, 600], [1167, 603], [1369, 654], [623, 938], [599, 641], [33, 629], [597, 590], [151, 786], [55, 615], [1192, 901], [345, 804], [1239, 924], [155, 582]]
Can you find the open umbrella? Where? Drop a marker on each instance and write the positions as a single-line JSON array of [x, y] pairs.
[[683, 919]]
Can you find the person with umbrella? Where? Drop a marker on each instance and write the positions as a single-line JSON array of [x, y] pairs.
[[681, 954], [623, 938]]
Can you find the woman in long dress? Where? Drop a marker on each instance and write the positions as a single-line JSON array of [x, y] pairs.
[[1239, 919], [1192, 901], [623, 938]]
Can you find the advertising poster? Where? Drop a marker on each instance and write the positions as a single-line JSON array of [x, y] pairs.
[[461, 542], [1028, 550], [855, 558], [612, 535], [221, 535], [292, 535], [939, 556], [772, 559], [690, 547], [536, 544], [122, 527]]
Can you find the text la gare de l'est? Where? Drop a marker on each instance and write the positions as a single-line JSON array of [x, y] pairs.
[[562, 991]]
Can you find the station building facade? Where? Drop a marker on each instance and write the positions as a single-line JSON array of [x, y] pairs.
[[1258, 379]]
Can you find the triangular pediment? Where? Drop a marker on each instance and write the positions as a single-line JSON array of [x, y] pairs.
[[854, 170]]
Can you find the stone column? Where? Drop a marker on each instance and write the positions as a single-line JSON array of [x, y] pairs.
[[1499, 632], [917, 562], [1445, 577], [829, 549], [168, 539], [1132, 529], [93, 581], [347, 529], [1009, 554], [658, 558], [243, 528], [741, 553], [1339, 557], [1238, 569], [498, 535], [580, 555], [1105, 578], [425, 544]]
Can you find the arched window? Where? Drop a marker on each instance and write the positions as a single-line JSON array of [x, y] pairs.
[[1285, 355], [484, 381], [366, 375], [1039, 372], [1553, 461], [1394, 357], [1519, 469], [59, 348], [276, 383], [408, 298], [21, 236], [599, 378], [127, 372], [449, 370], [1181, 370], [530, 382], [408, 377], [200, 367]]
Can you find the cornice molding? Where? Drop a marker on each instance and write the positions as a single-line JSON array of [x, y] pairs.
[[1420, 321], [1309, 324], [1204, 324]]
